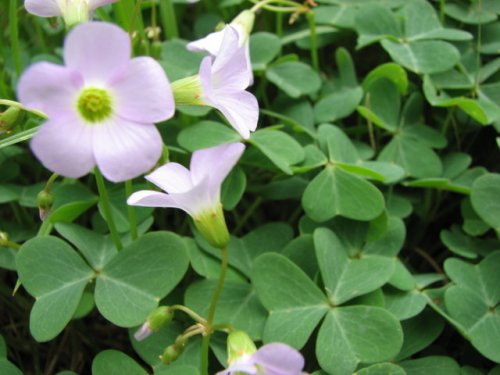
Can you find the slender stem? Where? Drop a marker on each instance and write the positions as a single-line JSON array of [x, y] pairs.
[[248, 213], [168, 19], [45, 228], [189, 312], [314, 41], [211, 311], [14, 36], [106, 208], [132, 217], [10, 244]]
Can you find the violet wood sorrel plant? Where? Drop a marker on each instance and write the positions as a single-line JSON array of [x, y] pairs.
[[337, 161]]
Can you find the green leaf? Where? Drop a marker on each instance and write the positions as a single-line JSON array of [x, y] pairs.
[[6, 368], [282, 149], [390, 71], [346, 278], [337, 144], [423, 57], [382, 104], [375, 22], [473, 13], [206, 134], [238, 305], [404, 304], [435, 365], [381, 369], [70, 201], [177, 61], [9, 193], [96, 249], [130, 286], [485, 198], [264, 47], [233, 188], [294, 78], [353, 334], [113, 362], [338, 104], [292, 299], [420, 332], [52, 272], [335, 192]]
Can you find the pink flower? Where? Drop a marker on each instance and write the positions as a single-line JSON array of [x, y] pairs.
[[223, 83], [271, 359], [101, 105], [196, 191], [73, 11]]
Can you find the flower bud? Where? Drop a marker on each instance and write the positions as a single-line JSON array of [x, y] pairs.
[[171, 353], [157, 319], [44, 201], [238, 345], [9, 119], [187, 91], [245, 20], [212, 225], [75, 12]]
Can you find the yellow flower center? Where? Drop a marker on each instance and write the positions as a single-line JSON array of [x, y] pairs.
[[94, 104]]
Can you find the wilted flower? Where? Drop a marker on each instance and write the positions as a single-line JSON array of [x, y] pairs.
[[73, 11], [101, 105], [212, 43], [221, 84], [197, 190]]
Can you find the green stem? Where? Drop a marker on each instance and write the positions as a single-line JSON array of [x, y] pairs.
[[132, 217], [211, 311], [248, 213], [14, 36], [314, 41], [106, 208], [189, 312], [10, 244], [168, 19], [45, 228]]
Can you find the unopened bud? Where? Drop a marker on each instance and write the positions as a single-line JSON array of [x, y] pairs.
[[157, 319], [171, 354], [187, 91], [9, 119], [212, 225], [44, 201]]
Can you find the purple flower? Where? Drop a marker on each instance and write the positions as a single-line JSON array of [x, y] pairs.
[[271, 359], [73, 11], [223, 83], [197, 190], [101, 106]]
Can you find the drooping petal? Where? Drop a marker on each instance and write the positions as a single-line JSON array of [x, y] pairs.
[[93, 4], [43, 8], [150, 198], [171, 177], [124, 150], [214, 164], [97, 50], [230, 68], [279, 359], [142, 92], [205, 75], [50, 88], [240, 108], [64, 145], [211, 43]]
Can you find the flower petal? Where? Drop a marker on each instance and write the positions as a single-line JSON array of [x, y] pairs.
[[211, 43], [279, 359], [143, 92], [93, 4], [240, 108], [171, 177], [150, 198], [43, 8], [50, 88], [97, 50], [230, 68], [213, 165], [64, 145], [124, 150]]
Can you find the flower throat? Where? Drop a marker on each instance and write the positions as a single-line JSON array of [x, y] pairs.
[[94, 104]]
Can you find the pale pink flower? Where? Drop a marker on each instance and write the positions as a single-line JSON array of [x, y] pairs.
[[223, 83], [195, 190], [101, 105]]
